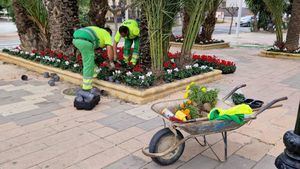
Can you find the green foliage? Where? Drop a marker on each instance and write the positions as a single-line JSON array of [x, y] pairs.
[[276, 7], [200, 95], [36, 12], [238, 98], [84, 7], [196, 9]]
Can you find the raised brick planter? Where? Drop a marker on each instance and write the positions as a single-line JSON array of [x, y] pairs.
[[203, 47]]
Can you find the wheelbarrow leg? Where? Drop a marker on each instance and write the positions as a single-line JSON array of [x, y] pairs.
[[224, 134], [204, 141]]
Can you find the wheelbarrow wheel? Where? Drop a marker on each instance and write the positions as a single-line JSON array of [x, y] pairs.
[[163, 140]]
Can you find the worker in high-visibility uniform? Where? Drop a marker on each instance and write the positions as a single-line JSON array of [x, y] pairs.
[[86, 40], [130, 31]]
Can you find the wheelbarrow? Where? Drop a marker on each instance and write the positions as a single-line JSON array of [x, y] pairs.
[[167, 145]]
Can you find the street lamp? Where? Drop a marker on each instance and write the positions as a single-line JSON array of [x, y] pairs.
[[290, 158]]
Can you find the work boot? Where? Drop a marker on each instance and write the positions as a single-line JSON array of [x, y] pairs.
[[126, 59], [86, 94], [134, 59]]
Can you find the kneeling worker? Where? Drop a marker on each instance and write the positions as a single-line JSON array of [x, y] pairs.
[[129, 30]]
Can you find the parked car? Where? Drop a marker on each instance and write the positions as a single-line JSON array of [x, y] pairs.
[[246, 21]]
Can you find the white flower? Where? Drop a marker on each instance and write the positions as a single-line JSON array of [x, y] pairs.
[[203, 67], [211, 68], [169, 71], [149, 74], [58, 60], [142, 77], [188, 67], [52, 59], [117, 72], [38, 56], [67, 62], [21, 52], [196, 65], [26, 53], [32, 54], [172, 60], [76, 65], [128, 73], [176, 69], [285, 49]]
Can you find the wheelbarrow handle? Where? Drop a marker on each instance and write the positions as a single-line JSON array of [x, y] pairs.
[[233, 90], [269, 105]]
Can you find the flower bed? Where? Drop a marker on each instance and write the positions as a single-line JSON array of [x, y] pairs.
[[279, 54], [283, 50], [134, 76], [127, 93], [179, 39]]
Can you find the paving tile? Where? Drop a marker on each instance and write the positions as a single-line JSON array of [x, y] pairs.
[[219, 150], [254, 151], [117, 109], [129, 162], [74, 156], [131, 145], [192, 149], [268, 162], [125, 135], [103, 159], [103, 132], [153, 165], [35, 119], [151, 124], [109, 120], [124, 124], [91, 126], [200, 162], [49, 153], [277, 149], [236, 162], [3, 120]]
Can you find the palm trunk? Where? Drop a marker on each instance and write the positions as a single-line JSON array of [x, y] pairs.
[[63, 20], [97, 13], [210, 21], [144, 41], [30, 35], [292, 38], [186, 20]]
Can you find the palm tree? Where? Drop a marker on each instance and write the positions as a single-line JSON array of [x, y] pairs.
[[210, 21], [292, 38], [31, 22], [63, 20], [98, 10], [196, 10], [276, 8]]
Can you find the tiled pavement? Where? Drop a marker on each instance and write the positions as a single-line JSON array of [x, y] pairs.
[[39, 128]]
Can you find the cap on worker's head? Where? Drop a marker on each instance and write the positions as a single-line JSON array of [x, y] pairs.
[[123, 30]]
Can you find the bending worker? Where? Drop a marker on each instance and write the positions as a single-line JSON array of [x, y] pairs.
[[129, 30], [86, 40]]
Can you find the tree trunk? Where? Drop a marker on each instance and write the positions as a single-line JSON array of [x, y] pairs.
[[29, 33], [255, 23], [292, 38], [144, 41], [231, 21], [97, 13], [62, 21], [186, 20], [210, 21]]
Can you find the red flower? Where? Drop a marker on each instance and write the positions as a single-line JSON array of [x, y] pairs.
[[173, 65], [166, 64], [117, 65], [172, 55], [66, 58], [137, 68], [103, 64], [34, 51], [42, 53], [60, 55], [79, 58], [104, 55], [196, 57]]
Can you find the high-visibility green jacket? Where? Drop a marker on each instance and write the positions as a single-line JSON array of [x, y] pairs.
[[134, 30]]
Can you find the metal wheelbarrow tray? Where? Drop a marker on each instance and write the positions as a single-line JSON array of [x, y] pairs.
[[167, 145]]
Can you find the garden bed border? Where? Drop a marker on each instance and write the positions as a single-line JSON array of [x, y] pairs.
[[281, 55], [139, 96], [203, 47]]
